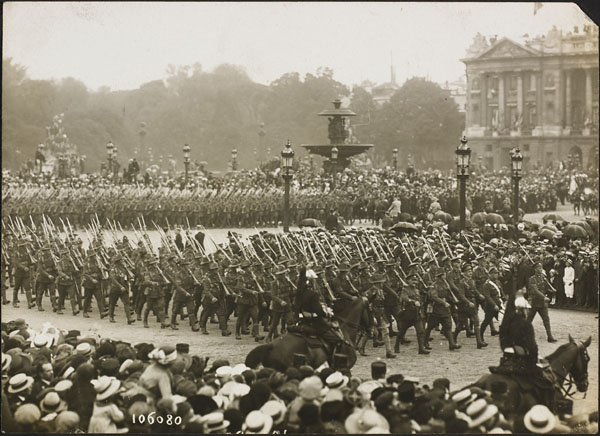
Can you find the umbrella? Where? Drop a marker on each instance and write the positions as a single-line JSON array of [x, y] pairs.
[[440, 215], [478, 218], [574, 231], [494, 218], [552, 217], [404, 227], [547, 233], [585, 226], [406, 217], [310, 222], [454, 226]]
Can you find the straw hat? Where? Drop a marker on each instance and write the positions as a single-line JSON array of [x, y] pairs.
[[52, 403], [257, 423], [6, 360], [539, 419], [275, 409], [310, 388], [214, 422], [19, 383], [336, 380], [364, 420], [480, 411], [106, 387]]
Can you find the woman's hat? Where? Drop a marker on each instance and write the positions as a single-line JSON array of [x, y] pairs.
[[52, 403], [364, 420], [163, 355], [539, 419], [336, 380], [310, 388], [106, 387], [214, 422], [257, 423], [480, 411], [19, 383], [275, 409]]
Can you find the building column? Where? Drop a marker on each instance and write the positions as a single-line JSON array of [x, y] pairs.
[[469, 108], [568, 99], [483, 100], [558, 113], [588, 94], [540, 99], [520, 94], [501, 102]]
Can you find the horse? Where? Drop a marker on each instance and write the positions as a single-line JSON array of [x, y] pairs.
[[279, 354], [568, 363]]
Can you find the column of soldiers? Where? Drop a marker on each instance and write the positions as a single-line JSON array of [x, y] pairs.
[[415, 281]]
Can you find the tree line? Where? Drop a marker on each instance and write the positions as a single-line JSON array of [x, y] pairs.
[[220, 110]]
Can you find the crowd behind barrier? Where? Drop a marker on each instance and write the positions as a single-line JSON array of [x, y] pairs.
[[254, 198], [60, 381]]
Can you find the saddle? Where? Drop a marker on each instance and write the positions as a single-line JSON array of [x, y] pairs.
[[310, 335]]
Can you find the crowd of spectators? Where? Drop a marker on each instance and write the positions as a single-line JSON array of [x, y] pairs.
[[57, 381]]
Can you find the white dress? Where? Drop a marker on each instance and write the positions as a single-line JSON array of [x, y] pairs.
[[568, 279]]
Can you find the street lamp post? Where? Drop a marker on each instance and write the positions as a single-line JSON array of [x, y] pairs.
[[186, 161], [234, 154], [517, 162], [115, 161], [463, 157], [82, 164], [109, 154], [334, 157], [395, 158], [287, 160]]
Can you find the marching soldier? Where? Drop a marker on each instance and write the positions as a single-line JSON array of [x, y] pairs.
[[440, 297], [411, 313], [152, 288], [23, 265], [343, 288], [66, 282], [492, 303], [376, 297], [119, 279], [183, 284], [248, 302], [211, 292], [468, 303], [92, 282], [539, 296], [46, 277], [281, 301]]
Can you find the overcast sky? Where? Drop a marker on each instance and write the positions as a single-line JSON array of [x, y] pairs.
[[122, 45]]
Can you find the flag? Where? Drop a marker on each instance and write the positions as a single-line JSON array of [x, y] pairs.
[[536, 7]]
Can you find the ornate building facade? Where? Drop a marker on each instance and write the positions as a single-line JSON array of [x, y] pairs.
[[541, 95]]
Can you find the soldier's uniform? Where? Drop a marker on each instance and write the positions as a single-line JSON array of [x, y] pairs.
[[491, 306], [152, 284], [66, 284], [248, 302], [92, 284], [468, 304], [119, 289], [376, 297], [539, 296], [23, 267], [411, 314], [183, 284], [46, 279], [441, 300], [343, 289], [281, 301], [211, 293]]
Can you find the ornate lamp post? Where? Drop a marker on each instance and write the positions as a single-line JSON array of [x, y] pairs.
[[517, 162], [395, 158], [287, 160], [463, 157], [186, 161], [334, 157], [109, 154], [234, 162], [82, 164], [115, 161]]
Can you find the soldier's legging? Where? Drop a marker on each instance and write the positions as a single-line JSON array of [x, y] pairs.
[[156, 305], [63, 291], [245, 311], [42, 287], [178, 305], [22, 281], [209, 310], [112, 300], [96, 292], [446, 322], [276, 317], [463, 324], [488, 320]]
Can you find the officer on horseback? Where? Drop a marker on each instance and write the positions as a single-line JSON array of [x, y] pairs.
[[310, 313]]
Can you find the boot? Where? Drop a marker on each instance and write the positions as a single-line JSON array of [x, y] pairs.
[[392, 333], [53, 302], [421, 342], [85, 315], [40, 308], [549, 332], [74, 307], [255, 334], [479, 339], [225, 333], [146, 313], [389, 354], [362, 344], [397, 345], [238, 336], [30, 302], [452, 343]]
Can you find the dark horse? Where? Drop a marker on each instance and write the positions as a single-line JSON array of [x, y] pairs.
[[569, 362], [279, 354]]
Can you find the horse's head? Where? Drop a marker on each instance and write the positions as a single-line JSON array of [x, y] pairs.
[[579, 367]]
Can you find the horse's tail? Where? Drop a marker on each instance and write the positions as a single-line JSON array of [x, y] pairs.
[[257, 355]]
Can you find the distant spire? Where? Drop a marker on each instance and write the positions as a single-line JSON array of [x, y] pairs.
[[392, 69]]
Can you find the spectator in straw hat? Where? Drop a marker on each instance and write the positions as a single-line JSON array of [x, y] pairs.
[[19, 389], [106, 415], [27, 418]]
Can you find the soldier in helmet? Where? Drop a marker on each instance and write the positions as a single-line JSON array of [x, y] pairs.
[[92, 278], [46, 277], [66, 281], [152, 285], [248, 302], [281, 301], [441, 298], [183, 283], [119, 279], [376, 297], [23, 266]]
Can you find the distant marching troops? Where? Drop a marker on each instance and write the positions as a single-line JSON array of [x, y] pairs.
[[419, 281]]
